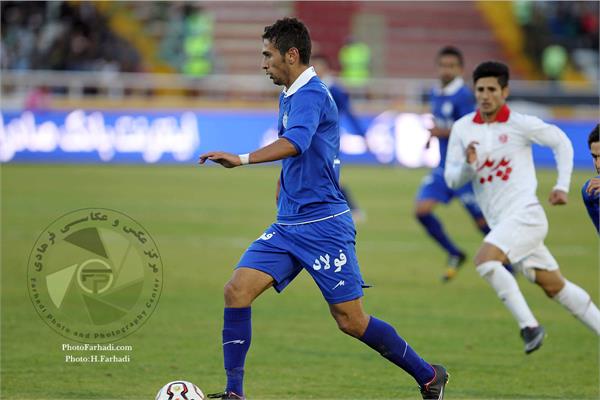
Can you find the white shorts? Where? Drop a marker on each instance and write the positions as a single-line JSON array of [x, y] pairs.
[[521, 238]]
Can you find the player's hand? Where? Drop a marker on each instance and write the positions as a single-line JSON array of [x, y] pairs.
[[557, 198], [593, 187], [472, 152], [227, 160], [437, 132]]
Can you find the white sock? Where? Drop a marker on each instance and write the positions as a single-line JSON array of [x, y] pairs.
[[579, 303], [507, 289]]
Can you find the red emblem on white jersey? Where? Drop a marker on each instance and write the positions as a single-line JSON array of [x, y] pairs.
[[499, 170], [503, 138]]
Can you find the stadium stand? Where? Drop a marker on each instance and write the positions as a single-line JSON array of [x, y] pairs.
[[62, 36], [573, 26], [116, 41], [149, 36], [415, 31]]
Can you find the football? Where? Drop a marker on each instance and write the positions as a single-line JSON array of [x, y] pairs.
[[180, 390]]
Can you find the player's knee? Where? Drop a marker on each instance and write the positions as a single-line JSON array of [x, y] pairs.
[[235, 296], [229, 292], [354, 327], [483, 257], [349, 327], [422, 210], [551, 282], [480, 259], [552, 288]]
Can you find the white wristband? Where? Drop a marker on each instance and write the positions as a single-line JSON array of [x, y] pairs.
[[244, 158]]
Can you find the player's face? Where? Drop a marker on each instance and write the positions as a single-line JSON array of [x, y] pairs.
[[490, 96], [448, 68], [273, 62], [595, 150]]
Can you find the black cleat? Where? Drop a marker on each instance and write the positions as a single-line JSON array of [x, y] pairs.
[[434, 389], [452, 266], [225, 395], [533, 338]]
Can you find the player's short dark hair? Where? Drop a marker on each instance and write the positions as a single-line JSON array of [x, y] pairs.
[[287, 33], [451, 51], [593, 138], [494, 69]]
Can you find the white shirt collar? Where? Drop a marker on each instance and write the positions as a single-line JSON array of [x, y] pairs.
[[452, 87], [300, 81]]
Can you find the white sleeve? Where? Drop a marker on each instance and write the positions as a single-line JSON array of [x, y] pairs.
[[457, 171], [551, 136]]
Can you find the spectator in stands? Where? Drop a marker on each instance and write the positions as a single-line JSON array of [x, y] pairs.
[[60, 35], [573, 26], [355, 59], [198, 42], [554, 61]]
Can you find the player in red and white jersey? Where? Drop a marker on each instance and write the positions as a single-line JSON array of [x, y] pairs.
[[492, 148]]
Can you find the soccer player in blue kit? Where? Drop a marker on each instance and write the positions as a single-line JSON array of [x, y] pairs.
[[314, 230], [449, 102], [591, 189]]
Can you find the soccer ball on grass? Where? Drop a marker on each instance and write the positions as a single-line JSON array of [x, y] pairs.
[[180, 390]]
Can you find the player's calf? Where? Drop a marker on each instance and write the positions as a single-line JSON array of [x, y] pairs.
[[507, 289], [579, 303]]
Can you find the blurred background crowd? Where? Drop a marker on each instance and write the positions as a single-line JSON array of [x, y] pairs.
[[199, 38], [60, 52]]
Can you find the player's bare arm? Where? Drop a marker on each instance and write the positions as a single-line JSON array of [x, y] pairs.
[[594, 186], [558, 197], [278, 150]]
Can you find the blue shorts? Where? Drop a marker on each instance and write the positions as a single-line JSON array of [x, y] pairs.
[[324, 248], [433, 187]]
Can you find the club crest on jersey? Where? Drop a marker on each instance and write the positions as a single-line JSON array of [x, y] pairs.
[[447, 108], [503, 138], [284, 120], [266, 236]]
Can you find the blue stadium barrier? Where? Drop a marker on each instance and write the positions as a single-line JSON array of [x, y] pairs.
[[180, 136]]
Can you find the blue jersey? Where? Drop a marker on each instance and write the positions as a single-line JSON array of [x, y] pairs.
[[308, 118], [592, 204], [449, 104]]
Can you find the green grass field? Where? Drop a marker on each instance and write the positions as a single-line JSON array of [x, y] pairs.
[[202, 218]]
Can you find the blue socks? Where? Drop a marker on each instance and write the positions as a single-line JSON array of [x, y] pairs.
[[382, 337], [237, 332], [436, 231]]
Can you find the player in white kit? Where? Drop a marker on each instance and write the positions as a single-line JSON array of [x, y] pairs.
[[491, 147]]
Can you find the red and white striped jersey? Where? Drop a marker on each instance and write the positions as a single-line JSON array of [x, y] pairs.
[[503, 177]]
